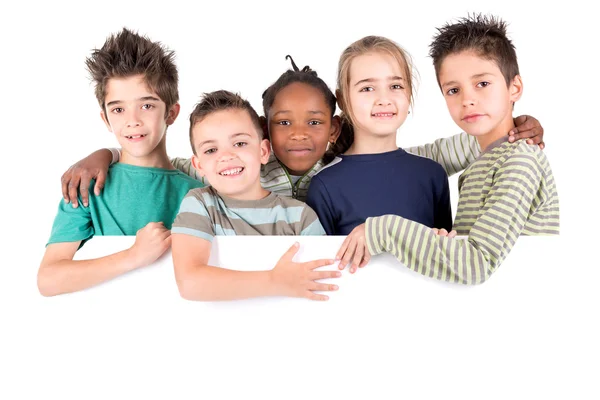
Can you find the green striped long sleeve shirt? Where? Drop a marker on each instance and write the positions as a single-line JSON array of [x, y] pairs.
[[509, 191]]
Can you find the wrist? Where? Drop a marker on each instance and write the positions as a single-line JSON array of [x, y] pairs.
[[132, 259], [273, 283]]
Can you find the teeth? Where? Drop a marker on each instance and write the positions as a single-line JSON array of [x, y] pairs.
[[135, 136], [383, 114], [233, 171]]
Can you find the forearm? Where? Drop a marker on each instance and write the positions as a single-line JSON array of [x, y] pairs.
[[467, 261], [454, 153], [208, 283], [66, 276]]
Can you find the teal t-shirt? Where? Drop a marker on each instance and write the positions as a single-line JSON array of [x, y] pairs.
[[132, 197]]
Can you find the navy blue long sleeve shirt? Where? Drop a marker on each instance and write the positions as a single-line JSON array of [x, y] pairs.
[[346, 193]]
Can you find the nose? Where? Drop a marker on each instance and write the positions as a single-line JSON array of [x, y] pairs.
[[468, 98], [299, 133], [226, 155], [133, 119], [383, 99]]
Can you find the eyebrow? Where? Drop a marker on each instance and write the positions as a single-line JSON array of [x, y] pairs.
[[145, 98], [314, 112], [210, 141], [369, 80], [476, 76]]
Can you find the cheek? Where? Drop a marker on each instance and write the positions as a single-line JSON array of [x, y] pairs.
[[277, 140]]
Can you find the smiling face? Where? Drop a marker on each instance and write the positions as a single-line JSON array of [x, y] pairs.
[[300, 126], [378, 96], [136, 115], [477, 96], [229, 153]]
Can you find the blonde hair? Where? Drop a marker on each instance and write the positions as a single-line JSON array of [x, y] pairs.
[[371, 44], [368, 44]]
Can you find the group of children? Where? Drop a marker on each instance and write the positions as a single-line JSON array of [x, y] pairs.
[[252, 175]]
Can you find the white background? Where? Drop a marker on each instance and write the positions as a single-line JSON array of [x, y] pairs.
[[96, 345]]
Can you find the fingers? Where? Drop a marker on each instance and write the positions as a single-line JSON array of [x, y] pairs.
[[342, 250], [72, 187], [349, 253], [323, 287], [366, 259], [316, 297], [64, 181], [316, 275], [100, 181], [358, 255], [84, 188], [452, 233], [291, 252], [319, 263]]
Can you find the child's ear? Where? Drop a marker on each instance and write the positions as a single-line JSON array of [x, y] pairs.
[[516, 88], [336, 128], [173, 113], [196, 165], [265, 151], [264, 124], [105, 119]]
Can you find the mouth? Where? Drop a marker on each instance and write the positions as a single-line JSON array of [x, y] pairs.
[[383, 115], [300, 151], [232, 172], [135, 138], [472, 117]]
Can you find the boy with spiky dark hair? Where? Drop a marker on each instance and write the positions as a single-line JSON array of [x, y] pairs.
[[508, 191], [136, 87]]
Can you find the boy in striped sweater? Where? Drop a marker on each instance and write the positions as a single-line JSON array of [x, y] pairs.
[[229, 149], [508, 191]]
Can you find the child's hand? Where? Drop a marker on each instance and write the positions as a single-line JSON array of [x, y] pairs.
[[150, 243], [299, 279], [79, 175], [527, 127], [443, 232], [354, 248]]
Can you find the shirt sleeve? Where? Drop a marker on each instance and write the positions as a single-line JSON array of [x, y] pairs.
[[72, 224], [185, 166], [319, 200], [515, 191], [454, 153], [193, 219]]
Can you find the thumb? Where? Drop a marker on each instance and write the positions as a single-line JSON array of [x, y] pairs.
[[291, 252]]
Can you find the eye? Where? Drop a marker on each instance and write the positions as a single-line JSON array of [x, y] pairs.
[[314, 123], [367, 89], [148, 106], [240, 144], [284, 122], [210, 151], [397, 86], [452, 91], [483, 84], [117, 110]]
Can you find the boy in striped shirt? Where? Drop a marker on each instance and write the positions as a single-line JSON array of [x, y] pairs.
[[508, 191], [229, 149]]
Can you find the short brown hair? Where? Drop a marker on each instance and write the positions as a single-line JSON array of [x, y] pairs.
[[485, 35], [126, 54], [221, 100]]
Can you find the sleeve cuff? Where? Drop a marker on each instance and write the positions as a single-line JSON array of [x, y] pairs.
[[116, 155]]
